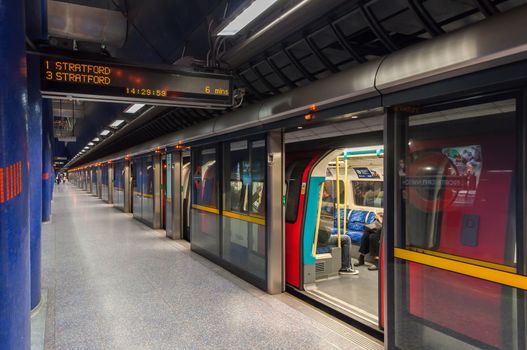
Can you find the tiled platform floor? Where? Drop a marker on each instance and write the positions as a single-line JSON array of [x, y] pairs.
[[114, 283]]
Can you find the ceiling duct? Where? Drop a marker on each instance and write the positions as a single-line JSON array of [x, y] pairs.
[[85, 23], [65, 114]]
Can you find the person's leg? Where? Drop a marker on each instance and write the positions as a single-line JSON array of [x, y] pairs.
[[365, 243], [345, 243], [364, 247], [345, 253], [374, 245]]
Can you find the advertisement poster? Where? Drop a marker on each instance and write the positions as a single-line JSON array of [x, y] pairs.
[[467, 160]]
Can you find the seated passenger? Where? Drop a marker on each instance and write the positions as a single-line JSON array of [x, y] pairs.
[[370, 242], [325, 238]]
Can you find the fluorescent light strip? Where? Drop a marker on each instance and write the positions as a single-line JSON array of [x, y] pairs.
[[90, 144], [134, 108], [117, 123], [247, 16], [105, 132], [96, 139]]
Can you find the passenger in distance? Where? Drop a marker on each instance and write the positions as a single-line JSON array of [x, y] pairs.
[[325, 238], [370, 242]]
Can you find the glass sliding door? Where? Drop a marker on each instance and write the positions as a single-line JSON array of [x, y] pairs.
[[458, 281], [205, 219], [243, 215]]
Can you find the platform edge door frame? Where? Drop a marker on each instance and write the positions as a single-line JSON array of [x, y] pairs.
[[157, 191], [275, 212], [99, 182], [394, 132], [110, 183], [127, 188], [177, 208], [521, 214]]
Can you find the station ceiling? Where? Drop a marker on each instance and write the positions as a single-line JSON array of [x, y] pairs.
[[346, 33]]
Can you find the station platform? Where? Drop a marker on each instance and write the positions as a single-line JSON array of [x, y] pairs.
[[113, 283]]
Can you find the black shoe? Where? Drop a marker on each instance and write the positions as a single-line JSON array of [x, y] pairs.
[[373, 267], [361, 260], [348, 271]]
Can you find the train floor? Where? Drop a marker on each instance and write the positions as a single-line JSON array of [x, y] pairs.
[[113, 283], [359, 291]]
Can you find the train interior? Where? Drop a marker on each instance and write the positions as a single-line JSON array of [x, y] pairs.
[[353, 187], [342, 174]]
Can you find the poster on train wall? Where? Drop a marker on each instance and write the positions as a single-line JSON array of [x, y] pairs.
[[468, 162]]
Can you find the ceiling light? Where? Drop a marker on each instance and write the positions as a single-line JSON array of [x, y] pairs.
[[134, 108], [105, 132], [354, 116], [300, 127], [96, 139], [90, 144], [116, 123], [86, 147], [247, 16]]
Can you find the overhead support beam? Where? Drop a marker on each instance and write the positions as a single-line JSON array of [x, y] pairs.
[[424, 17], [316, 51], [298, 65], [377, 29], [486, 7], [272, 89], [345, 43], [279, 73], [249, 85]]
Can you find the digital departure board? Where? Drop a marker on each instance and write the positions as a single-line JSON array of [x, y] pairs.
[[99, 81]]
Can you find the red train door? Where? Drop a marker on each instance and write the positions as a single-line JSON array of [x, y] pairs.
[[297, 173]]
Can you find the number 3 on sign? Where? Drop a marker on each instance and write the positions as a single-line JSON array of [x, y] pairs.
[[207, 89], [49, 75]]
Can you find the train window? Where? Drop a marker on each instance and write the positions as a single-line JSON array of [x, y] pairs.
[[204, 175], [368, 193], [329, 198], [294, 187]]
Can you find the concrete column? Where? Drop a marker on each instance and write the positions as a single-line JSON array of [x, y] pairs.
[[275, 212], [35, 175], [14, 181]]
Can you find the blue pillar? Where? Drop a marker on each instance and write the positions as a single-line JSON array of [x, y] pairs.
[[47, 169], [14, 192], [35, 175]]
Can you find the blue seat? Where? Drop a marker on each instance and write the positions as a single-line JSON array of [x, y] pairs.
[[355, 236]]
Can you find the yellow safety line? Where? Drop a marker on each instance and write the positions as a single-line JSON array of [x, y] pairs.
[[242, 217], [484, 273], [477, 262], [204, 208]]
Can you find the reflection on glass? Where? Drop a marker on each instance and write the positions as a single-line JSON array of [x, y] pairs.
[[458, 200]]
